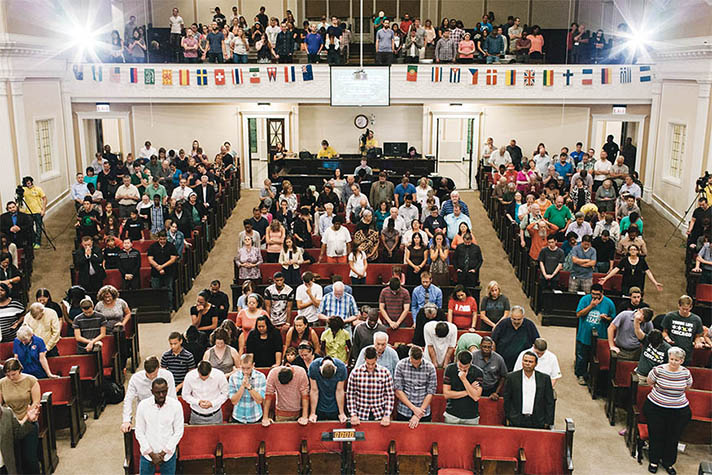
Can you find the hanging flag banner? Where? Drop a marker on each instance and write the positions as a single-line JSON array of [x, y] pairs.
[[115, 74], [529, 77], [167, 76], [255, 75], [454, 75], [645, 74], [510, 77], [548, 77], [219, 77], [272, 74], [201, 77], [491, 77], [307, 73], [626, 75], [568, 75], [587, 79], [97, 73], [412, 74], [78, 72], [605, 75], [474, 73], [436, 75], [289, 74], [237, 76], [133, 76], [149, 76], [184, 77]]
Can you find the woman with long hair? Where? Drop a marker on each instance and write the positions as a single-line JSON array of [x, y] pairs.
[[462, 309], [221, 355], [439, 260], [291, 258], [358, 264], [300, 331], [493, 307], [265, 342], [274, 237], [415, 258], [633, 268]]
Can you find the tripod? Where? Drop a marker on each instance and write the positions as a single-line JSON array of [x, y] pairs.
[[21, 199], [682, 220]]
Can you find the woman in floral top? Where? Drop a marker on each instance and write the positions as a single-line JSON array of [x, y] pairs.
[[248, 260]]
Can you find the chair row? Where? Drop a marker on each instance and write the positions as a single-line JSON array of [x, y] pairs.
[[289, 448]]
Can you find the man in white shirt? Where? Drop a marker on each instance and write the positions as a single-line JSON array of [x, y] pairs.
[[128, 196], [139, 387], [326, 218], [272, 31], [408, 211], [159, 428], [354, 202], [205, 390], [440, 342], [547, 363], [601, 169], [147, 151], [487, 149], [309, 296], [500, 157], [335, 243], [631, 188], [398, 222], [176, 23], [79, 191], [542, 161], [529, 396], [182, 192]]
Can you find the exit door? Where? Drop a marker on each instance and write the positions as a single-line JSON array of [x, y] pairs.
[[455, 144]]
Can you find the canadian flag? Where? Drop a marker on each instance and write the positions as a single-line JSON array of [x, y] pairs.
[[219, 77]]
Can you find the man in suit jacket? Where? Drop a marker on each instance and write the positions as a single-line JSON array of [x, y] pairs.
[[88, 263], [16, 226], [206, 193], [12, 430], [529, 396]]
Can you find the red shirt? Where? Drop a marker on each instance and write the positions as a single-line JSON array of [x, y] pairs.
[[462, 311]]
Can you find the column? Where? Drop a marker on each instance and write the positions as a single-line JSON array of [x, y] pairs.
[[693, 166], [10, 177], [73, 165], [18, 117], [652, 143]]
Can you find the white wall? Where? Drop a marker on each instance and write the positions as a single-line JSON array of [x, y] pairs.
[[555, 126], [176, 126], [402, 123]]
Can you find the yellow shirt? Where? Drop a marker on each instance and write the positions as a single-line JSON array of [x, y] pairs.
[[336, 345], [33, 198], [327, 152], [47, 328], [370, 143]]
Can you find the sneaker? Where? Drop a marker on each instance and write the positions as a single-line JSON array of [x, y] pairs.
[[652, 468], [582, 381], [36, 246]]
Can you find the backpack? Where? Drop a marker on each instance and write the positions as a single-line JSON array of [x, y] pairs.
[[113, 393]]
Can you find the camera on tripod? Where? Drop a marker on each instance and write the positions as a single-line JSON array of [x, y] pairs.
[[703, 180], [19, 193]]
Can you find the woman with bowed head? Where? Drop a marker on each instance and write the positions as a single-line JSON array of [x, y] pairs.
[[247, 318], [248, 260], [203, 315], [667, 409], [301, 331], [221, 355], [493, 307], [462, 309], [439, 260], [265, 342]]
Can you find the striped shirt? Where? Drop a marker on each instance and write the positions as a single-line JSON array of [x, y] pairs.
[[370, 394], [247, 410], [394, 302], [416, 383], [345, 307], [89, 328], [9, 314], [669, 387], [179, 364]]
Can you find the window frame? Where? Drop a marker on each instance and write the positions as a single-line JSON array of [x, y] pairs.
[[54, 172], [668, 177]]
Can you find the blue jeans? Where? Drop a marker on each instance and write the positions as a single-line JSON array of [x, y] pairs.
[[492, 59], [583, 356], [239, 58], [167, 468], [358, 280], [37, 220]]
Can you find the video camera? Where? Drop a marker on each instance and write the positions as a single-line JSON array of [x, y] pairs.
[[703, 181], [19, 192]]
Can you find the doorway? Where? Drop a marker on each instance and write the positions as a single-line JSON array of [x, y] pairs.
[[623, 128], [99, 129], [262, 132], [455, 144]]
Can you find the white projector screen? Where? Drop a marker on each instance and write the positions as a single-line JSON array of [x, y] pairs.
[[347, 90]]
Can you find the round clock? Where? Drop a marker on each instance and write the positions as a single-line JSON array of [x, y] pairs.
[[361, 121]]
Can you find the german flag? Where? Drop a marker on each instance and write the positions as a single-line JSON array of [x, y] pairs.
[[548, 77], [605, 75], [412, 74], [510, 77], [184, 77]]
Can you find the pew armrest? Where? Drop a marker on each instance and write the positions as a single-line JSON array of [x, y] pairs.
[[569, 452]]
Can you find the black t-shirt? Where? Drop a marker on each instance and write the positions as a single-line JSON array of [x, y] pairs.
[[683, 331], [334, 31], [431, 224], [464, 408], [627, 305], [111, 257], [651, 356], [161, 254], [133, 229], [699, 216], [611, 148], [87, 223], [207, 318], [260, 225], [217, 300], [551, 259], [633, 275], [264, 350], [605, 250]]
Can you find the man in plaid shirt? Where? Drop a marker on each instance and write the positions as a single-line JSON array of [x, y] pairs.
[[369, 394], [415, 382], [341, 304], [246, 390]]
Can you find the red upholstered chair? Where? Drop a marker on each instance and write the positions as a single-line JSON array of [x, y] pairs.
[[701, 357], [600, 362], [6, 351], [197, 449], [701, 378], [268, 270], [113, 277], [439, 373], [144, 260], [618, 385], [316, 240], [437, 408], [564, 279], [90, 375], [66, 404], [112, 369], [186, 409], [142, 246], [400, 335], [704, 293], [232, 316], [67, 346], [491, 412], [145, 276], [637, 425], [699, 431]]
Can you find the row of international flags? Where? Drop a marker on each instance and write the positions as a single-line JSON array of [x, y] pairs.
[[530, 77], [200, 77]]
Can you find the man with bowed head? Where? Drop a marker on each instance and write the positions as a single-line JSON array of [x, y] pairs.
[[369, 393]]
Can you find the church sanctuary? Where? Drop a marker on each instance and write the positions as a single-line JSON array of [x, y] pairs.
[[298, 237]]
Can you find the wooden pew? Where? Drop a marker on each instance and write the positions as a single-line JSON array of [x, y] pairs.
[[66, 404], [90, 375]]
